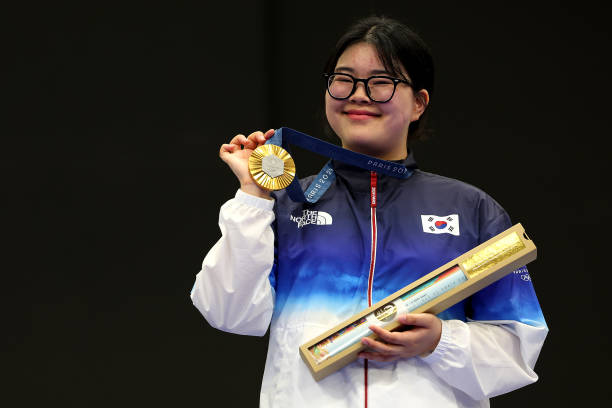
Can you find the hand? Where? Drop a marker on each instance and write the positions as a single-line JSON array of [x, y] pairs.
[[421, 339], [236, 154]]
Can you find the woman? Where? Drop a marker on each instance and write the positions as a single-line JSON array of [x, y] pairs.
[[275, 263]]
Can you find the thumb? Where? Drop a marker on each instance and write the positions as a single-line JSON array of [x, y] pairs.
[[417, 319]]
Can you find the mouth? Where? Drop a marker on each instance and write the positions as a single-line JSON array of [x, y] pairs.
[[360, 114]]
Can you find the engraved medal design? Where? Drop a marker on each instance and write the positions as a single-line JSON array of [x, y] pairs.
[[271, 167]]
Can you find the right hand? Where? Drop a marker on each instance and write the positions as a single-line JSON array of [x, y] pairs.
[[236, 155]]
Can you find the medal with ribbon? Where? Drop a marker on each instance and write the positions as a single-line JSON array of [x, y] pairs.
[[272, 167]]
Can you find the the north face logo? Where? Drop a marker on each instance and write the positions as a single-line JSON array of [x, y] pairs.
[[312, 217]]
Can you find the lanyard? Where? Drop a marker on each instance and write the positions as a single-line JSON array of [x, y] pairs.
[[284, 137]]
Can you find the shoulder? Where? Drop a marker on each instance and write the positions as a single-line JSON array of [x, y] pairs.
[[485, 212], [435, 184], [436, 181]]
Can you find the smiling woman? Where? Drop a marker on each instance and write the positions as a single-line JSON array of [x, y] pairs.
[[375, 114], [301, 268]]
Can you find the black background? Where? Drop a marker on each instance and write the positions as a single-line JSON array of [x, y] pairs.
[[112, 180]]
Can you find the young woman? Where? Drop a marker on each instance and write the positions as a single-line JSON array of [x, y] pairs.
[[304, 267]]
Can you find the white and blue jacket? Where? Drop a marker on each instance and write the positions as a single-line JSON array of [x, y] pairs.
[[304, 267]]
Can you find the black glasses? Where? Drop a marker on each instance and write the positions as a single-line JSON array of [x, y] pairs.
[[379, 88]]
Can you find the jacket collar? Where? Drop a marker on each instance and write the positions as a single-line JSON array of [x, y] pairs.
[[358, 179]]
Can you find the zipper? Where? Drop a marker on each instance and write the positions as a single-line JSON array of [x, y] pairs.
[[373, 201]]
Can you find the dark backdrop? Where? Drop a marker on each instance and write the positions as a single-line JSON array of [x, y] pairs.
[[112, 180]]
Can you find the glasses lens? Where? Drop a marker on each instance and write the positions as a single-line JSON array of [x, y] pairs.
[[340, 85], [381, 89]]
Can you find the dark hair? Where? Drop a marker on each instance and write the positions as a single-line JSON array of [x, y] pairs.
[[400, 50]]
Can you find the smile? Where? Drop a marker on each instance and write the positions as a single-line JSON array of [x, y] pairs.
[[357, 114]]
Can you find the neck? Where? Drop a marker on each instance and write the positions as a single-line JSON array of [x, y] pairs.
[[391, 155]]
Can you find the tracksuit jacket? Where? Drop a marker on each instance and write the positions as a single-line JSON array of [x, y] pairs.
[[302, 268]]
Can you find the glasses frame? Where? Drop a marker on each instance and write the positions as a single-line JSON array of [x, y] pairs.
[[365, 85]]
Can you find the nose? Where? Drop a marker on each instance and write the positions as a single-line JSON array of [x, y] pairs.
[[360, 95]]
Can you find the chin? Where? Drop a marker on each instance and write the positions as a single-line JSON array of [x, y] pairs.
[[365, 145], [361, 136]]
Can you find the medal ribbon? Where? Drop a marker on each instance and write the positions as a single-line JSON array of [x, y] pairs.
[[283, 137]]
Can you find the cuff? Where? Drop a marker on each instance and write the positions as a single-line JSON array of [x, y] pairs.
[[254, 201], [442, 347]]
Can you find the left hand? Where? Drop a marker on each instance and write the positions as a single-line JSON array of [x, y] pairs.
[[421, 339]]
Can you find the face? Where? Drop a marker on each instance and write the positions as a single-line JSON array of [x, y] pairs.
[[372, 128]]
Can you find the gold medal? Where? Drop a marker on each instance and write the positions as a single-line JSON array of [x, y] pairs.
[[271, 167]]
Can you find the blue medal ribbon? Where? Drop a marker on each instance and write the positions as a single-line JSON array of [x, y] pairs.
[[283, 137]]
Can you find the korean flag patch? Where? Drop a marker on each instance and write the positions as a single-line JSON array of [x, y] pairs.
[[448, 224]]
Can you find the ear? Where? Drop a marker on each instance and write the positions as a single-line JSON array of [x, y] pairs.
[[421, 100]]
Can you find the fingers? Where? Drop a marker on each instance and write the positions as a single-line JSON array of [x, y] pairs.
[[253, 141], [259, 138], [238, 140], [269, 134], [422, 338], [386, 335], [418, 319], [226, 147], [380, 347], [250, 142]]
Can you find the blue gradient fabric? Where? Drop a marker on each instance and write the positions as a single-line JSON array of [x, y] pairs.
[[321, 267]]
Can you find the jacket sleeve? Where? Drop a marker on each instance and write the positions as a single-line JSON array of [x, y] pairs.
[[232, 291], [495, 351], [486, 359]]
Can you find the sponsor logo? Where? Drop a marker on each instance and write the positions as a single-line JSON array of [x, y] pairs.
[[447, 224], [312, 217]]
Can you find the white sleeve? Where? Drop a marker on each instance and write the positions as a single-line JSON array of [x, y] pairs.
[[485, 359], [232, 290]]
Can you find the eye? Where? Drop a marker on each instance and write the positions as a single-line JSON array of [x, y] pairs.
[[341, 78], [381, 81]]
